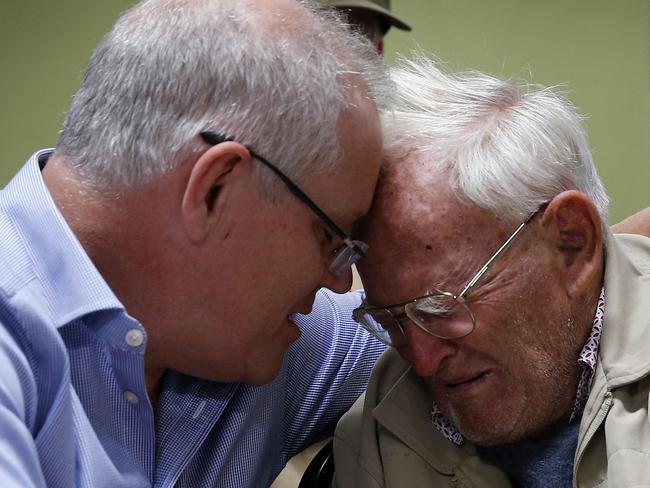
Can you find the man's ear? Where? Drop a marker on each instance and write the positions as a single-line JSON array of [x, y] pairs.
[[206, 190], [572, 223]]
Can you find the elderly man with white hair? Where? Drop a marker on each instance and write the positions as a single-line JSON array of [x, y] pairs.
[[519, 325]]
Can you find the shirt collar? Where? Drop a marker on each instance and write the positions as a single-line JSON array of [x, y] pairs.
[[589, 357], [587, 360], [69, 284]]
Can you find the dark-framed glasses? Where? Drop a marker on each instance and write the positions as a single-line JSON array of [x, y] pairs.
[[440, 313], [346, 255]]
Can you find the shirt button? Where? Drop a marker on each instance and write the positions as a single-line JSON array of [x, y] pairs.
[[131, 397], [134, 338]]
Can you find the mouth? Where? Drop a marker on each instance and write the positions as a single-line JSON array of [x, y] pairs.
[[465, 383]]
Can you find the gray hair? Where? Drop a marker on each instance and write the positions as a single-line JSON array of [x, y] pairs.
[[507, 148], [275, 80]]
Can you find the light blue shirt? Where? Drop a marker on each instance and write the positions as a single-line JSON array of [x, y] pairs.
[[74, 409]]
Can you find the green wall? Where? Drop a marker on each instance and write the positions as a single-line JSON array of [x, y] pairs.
[[599, 51], [44, 48]]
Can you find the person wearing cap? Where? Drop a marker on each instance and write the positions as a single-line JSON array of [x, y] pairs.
[[372, 17]]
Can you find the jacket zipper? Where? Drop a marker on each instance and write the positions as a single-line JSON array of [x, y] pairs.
[[593, 427]]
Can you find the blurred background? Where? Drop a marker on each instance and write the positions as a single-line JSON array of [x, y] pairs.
[[598, 51]]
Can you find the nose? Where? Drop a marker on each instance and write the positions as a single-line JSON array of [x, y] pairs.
[[423, 351], [338, 284]]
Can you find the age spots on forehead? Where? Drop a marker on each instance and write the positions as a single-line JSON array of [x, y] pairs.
[[411, 186]]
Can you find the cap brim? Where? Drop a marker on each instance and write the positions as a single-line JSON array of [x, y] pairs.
[[367, 5]]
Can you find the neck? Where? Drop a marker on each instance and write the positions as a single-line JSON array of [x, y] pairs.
[[121, 233]]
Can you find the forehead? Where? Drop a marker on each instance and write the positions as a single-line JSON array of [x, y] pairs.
[[421, 235]]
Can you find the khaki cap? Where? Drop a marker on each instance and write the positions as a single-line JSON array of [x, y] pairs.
[[382, 7]]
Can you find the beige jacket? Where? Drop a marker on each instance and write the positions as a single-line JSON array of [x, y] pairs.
[[387, 439]]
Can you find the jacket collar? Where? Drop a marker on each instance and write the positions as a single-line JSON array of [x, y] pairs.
[[625, 345], [405, 411]]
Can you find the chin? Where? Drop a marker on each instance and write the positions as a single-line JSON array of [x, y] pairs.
[[488, 435], [489, 427], [492, 439], [266, 373], [497, 430], [262, 380]]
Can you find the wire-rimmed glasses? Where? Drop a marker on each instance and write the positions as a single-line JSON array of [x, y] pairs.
[[440, 313]]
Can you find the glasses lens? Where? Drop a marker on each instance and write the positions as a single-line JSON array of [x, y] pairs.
[[442, 316], [381, 324], [346, 257]]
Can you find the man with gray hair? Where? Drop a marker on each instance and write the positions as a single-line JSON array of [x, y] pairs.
[[518, 324], [161, 261]]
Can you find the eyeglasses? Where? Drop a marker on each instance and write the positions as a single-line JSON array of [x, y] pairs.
[[441, 314], [346, 255]]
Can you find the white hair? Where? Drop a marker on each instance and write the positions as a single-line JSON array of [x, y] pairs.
[[276, 80], [507, 148]]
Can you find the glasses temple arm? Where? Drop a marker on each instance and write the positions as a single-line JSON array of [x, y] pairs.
[[213, 138], [301, 195], [486, 266]]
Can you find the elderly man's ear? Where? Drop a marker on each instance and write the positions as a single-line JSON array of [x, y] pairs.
[[573, 227]]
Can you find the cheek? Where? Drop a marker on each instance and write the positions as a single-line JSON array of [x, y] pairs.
[[288, 254], [513, 341], [538, 354], [515, 336], [525, 309], [290, 279]]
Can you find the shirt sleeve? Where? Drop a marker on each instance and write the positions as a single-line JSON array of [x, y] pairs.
[[19, 459], [329, 368]]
